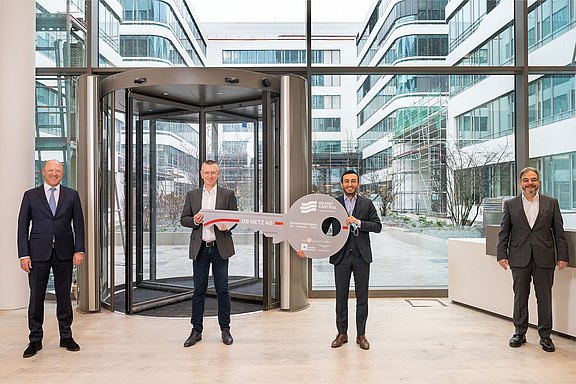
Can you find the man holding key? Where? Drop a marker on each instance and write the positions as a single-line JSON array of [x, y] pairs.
[[354, 257], [209, 244]]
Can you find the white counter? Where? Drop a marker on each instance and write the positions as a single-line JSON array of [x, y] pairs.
[[477, 280]]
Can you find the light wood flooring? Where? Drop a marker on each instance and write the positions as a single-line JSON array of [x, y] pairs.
[[426, 343]]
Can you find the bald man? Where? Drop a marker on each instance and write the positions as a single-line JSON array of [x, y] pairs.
[[50, 237]]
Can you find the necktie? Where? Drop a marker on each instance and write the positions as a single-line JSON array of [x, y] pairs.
[[52, 201]]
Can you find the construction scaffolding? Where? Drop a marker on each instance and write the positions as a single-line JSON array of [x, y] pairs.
[[418, 160]]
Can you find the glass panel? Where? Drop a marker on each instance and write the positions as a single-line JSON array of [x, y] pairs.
[[427, 158], [176, 33], [60, 33], [232, 146], [107, 203], [170, 170], [376, 45], [554, 100], [55, 129], [552, 26]]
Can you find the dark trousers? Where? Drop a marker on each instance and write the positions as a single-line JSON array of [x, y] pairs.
[[201, 269], [351, 263], [543, 280], [38, 282]]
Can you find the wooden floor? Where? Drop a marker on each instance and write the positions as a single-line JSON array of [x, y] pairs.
[[425, 343]]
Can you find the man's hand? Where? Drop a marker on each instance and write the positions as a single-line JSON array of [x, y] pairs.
[[352, 220], [26, 264], [198, 218], [504, 263], [562, 264], [78, 258], [300, 254]]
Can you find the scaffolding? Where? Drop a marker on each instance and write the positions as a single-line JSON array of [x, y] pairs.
[[419, 155]]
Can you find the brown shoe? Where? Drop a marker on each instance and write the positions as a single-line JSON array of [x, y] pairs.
[[340, 339], [363, 342]]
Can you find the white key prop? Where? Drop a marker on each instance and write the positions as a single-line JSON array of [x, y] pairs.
[[301, 226]]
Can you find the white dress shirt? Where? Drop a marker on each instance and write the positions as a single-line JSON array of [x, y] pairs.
[[531, 208], [56, 193], [208, 202]]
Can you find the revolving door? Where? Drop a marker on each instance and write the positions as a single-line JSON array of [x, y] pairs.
[[157, 127]]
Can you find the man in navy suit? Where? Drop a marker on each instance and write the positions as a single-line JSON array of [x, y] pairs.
[[531, 242], [209, 245], [50, 236], [354, 258]]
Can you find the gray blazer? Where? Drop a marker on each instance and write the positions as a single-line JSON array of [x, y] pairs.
[[364, 211], [225, 199], [517, 241]]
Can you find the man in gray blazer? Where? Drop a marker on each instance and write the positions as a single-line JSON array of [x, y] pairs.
[[209, 245], [531, 242]]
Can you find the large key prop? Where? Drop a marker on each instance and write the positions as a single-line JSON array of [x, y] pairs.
[[301, 226]]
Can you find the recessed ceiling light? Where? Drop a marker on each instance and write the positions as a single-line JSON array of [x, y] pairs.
[[218, 93]]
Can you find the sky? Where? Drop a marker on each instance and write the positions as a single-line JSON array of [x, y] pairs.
[[280, 10]]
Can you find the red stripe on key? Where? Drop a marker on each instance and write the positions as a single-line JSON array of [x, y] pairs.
[[222, 221]]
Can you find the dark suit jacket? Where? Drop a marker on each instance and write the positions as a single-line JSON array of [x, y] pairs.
[[225, 199], [364, 211], [517, 241], [66, 227]]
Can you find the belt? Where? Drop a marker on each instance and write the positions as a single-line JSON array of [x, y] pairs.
[[209, 244]]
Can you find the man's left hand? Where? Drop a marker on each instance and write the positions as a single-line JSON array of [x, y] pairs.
[[78, 258], [562, 264]]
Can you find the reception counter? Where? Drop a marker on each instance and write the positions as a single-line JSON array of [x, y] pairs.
[[477, 280]]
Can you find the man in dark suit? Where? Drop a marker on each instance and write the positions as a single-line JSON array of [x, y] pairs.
[[209, 245], [50, 236], [354, 257], [531, 242]]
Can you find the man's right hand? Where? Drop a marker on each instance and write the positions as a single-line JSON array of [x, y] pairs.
[[300, 254], [26, 264], [504, 263], [198, 218]]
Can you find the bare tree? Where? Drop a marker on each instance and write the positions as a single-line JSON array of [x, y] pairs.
[[170, 208], [386, 185], [468, 170]]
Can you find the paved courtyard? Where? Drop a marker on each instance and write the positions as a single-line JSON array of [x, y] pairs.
[[397, 264]]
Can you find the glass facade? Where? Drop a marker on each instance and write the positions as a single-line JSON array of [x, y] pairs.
[[420, 138]]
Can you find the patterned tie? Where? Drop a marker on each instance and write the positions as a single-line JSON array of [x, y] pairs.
[[52, 201]]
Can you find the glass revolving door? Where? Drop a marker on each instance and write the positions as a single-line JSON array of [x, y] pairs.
[[154, 137]]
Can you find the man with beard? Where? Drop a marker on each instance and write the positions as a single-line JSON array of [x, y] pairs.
[[354, 258], [531, 242]]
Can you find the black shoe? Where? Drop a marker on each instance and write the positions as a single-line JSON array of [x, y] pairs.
[[32, 348], [517, 340], [547, 344], [194, 337], [227, 337], [69, 344]]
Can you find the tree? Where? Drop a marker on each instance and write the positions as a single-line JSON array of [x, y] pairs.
[[385, 184], [170, 208], [469, 174]]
